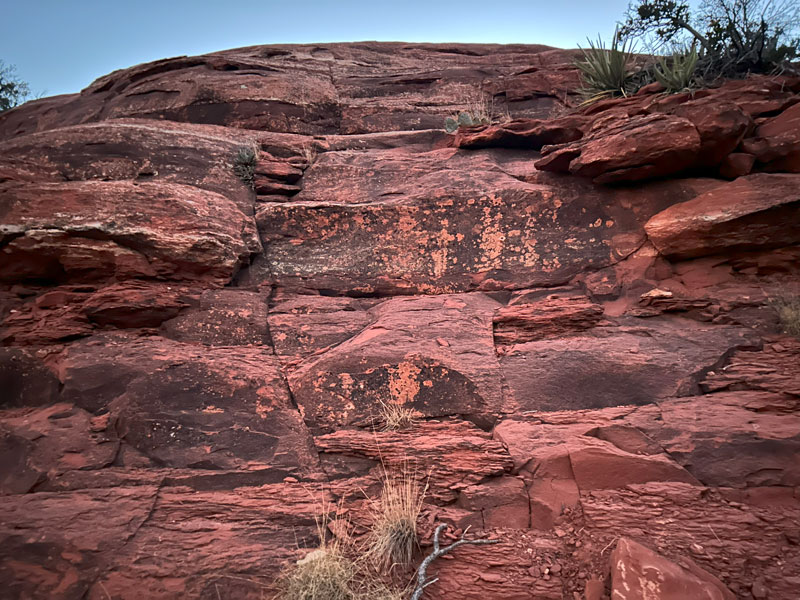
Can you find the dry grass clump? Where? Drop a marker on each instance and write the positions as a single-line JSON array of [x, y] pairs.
[[788, 308], [323, 574], [326, 573], [393, 534], [396, 416], [337, 569]]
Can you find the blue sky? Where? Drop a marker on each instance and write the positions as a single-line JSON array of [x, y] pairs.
[[60, 47]]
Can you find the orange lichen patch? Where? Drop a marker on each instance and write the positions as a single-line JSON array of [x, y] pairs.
[[404, 382]]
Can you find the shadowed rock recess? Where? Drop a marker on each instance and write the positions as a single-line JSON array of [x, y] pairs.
[[578, 305]]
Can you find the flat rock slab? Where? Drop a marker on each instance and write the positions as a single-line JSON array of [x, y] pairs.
[[616, 366], [759, 211], [433, 355], [202, 156], [399, 222], [237, 540], [88, 230], [302, 325], [185, 405]]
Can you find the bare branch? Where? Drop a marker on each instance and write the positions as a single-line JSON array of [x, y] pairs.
[[422, 572]]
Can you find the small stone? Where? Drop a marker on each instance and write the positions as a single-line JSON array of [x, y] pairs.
[[697, 548], [759, 590]]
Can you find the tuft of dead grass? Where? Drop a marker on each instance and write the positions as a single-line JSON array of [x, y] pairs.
[[393, 535], [337, 569], [325, 573], [395, 417], [787, 306]]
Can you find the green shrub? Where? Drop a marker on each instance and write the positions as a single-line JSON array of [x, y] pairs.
[[478, 110], [12, 91], [244, 164], [465, 119], [734, 37]]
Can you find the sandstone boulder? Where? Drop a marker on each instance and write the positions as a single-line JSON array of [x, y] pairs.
[[752, 212], [432, 355], [95, 230], [631, 149], [638, 572]]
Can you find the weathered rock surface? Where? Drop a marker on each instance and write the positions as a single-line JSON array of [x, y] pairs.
[[433, 355], [209, 407], [317, 89], [731, 218], [638, 572], [640, 147], [194, 369], [441, 221], [85, 231], [650, 136], [616, 366]]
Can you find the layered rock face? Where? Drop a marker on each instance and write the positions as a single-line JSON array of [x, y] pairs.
[[578, 305]]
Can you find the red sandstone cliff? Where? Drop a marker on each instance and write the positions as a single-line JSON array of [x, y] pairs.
[[576, 303]]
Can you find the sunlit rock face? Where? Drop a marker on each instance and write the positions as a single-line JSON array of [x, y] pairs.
[[220, 274]]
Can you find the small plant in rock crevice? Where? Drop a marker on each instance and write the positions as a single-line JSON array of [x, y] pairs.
[[787, 306], [395, 417], [244, 164], [465, 119], [478, 110], [393, 537]]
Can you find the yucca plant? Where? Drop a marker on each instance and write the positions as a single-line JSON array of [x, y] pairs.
[[606, 71], [676, 73]]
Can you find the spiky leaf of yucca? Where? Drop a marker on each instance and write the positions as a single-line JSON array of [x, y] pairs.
[[605, 70], [677, 72]]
